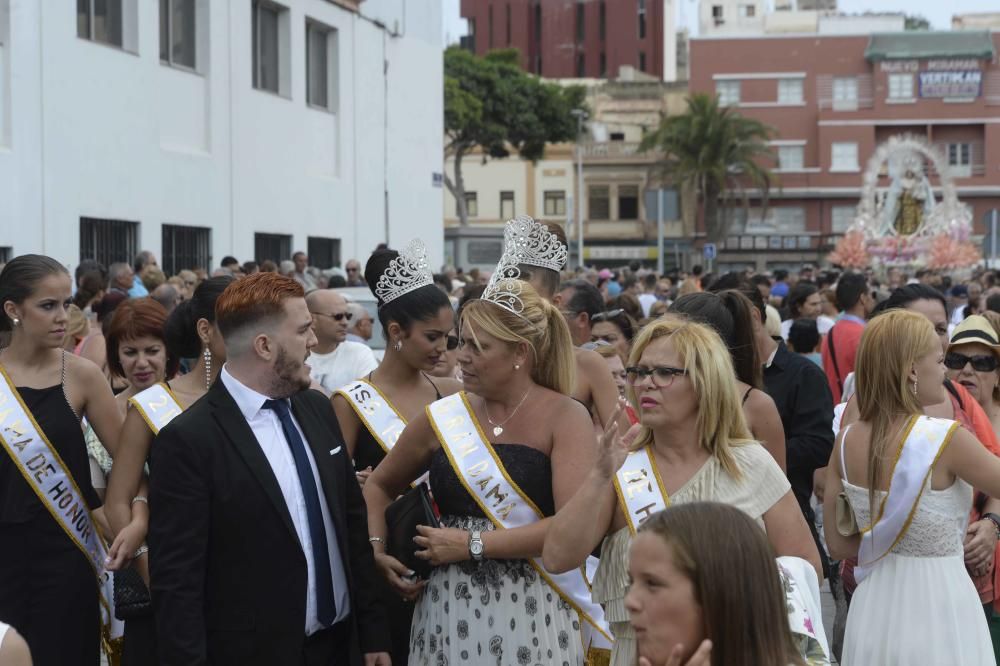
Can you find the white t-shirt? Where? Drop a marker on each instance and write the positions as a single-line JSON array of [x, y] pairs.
[[823, 325], [349, 361], [646, 301]]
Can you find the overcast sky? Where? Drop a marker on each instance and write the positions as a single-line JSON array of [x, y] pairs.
[[938, 12]]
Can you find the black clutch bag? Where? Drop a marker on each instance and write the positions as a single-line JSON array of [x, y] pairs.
[[131, 595], [414, 508]]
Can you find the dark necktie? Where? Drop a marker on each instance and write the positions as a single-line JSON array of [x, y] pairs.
[[326, 607]]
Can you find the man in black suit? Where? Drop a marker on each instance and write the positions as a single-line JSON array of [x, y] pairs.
[[258, 533]]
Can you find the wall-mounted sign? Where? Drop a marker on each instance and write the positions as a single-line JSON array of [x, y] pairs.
[[962, 84], [900, 66], [952, 65]]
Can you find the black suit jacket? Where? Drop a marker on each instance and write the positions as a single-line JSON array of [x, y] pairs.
[[227, 571], [802, 395]]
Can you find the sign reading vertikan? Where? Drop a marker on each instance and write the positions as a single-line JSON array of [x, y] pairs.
[[963, 84]]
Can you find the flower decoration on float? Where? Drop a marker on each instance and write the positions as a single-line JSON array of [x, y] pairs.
[[407, 272]]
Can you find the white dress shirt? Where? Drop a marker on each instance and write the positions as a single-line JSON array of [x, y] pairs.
[[266, 427]]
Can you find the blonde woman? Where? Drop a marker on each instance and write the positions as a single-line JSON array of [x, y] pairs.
[[486, 600], [908, 479], [692, 444]]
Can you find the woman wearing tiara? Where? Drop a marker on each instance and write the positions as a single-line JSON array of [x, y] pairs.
[[372, 411], [503, 456]]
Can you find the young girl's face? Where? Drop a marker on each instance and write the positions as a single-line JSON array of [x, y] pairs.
[[660, 601]]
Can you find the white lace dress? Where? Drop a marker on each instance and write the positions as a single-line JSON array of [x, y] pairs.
[[918, 606]]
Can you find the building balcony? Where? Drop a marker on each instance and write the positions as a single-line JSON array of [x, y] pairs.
[[630, 230], [615, 151]]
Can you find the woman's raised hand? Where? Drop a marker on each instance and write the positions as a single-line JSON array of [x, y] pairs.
[[616, 441]]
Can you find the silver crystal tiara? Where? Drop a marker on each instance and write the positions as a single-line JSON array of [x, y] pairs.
[[405, 273], [504, 287], [542, 248]]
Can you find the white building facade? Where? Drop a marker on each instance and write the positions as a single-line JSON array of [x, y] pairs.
[[204, 128]]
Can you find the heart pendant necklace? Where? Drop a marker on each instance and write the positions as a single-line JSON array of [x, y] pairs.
[[498, 427]]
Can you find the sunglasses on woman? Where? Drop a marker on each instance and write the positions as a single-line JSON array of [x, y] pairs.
[[982, 363], [607, 316]]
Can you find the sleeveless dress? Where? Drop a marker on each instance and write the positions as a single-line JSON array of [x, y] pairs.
[[48, 589], [368, 453], [493, 612], [918, 605], [761, 486]]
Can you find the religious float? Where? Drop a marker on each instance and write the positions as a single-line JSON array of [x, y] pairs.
[[905, 224]]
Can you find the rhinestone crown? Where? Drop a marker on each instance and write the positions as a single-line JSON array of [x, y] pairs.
[[405, 273]]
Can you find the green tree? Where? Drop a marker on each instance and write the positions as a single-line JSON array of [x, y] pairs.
[[712, 153], [490, 103], [916, 22]]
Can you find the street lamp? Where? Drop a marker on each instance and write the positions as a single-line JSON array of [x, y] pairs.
[[580, 116]]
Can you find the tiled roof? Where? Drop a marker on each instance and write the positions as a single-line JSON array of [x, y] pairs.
[[915, 45]]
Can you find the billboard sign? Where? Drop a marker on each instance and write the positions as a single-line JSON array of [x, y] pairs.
[[963, 84]]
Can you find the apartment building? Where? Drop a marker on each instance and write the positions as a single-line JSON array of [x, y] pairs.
[[831, 100]]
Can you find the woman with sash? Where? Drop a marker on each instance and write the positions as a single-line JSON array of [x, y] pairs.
[[137, 353], [52, 559], [189, 332], [416, 317], [908, 480], [958, 404], [691, 444], [503, 456], [728, 312]]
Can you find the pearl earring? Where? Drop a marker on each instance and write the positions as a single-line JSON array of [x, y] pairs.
[[517, 367], [398, 346], [207, 355]]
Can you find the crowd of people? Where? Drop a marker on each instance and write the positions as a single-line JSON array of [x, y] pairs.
[[543, 466]]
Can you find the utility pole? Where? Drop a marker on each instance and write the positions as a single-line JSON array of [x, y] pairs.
[[581, 116]]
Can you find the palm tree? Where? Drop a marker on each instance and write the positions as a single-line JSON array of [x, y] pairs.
[[713, 153]]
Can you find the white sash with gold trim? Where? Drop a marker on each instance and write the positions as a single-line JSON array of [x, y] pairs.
[[923, 442], [375, 411], [157, 405], [44, 470], [377, 414], [639, 488], [479, 468]]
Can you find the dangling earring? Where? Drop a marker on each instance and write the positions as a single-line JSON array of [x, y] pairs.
[[914, 387], [398, 346], [207, 355], [16, 321]]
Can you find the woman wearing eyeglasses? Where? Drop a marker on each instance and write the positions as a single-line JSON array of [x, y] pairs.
[[691, 444], [372, 411]]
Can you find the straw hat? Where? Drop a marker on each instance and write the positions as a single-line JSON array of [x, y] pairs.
[[975, 329]]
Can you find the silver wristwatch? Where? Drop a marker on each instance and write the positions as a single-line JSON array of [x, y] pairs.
[[476, 545]]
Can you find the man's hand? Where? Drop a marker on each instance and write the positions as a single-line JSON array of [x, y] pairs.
[[819, 483], [377, 659]]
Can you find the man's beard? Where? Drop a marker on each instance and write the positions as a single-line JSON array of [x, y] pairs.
[[287, 379]]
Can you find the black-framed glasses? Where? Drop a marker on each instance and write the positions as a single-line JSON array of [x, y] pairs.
[[606, 316], [339, 316], [980, 363], [452, 342], [663, 375]]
